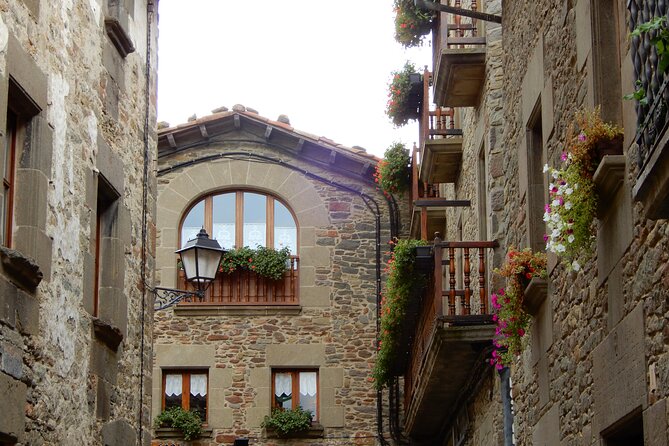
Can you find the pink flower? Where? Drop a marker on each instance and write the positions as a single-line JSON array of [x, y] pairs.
[[563, 157], [547, 208], [581, 137], [521, 332]]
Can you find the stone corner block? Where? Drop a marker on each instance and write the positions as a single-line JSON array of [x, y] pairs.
[[332, 416], [332, 377], [315, 297], [176, 355], [220, 378], [260, 377], [255, 416], [298, 355], [12, 422], [220, 418]]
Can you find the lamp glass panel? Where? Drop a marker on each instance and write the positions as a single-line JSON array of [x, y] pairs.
[[207, 261]]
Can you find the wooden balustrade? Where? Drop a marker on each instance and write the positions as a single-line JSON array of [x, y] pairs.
[[243, 287], [457, 292]]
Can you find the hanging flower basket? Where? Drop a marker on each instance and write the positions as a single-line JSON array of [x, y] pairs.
[[412, 24], [405, 95]]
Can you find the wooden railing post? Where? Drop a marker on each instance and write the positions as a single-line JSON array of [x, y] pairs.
[[414, 174], [438, 292], [467, 281], [483, 295], [451, 290]]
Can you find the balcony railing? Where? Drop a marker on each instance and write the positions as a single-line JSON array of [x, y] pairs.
[[243, 287], [456, 295], [458, 58]]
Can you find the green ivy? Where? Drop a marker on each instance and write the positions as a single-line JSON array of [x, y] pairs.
[[286, 422], [266, 262], [189, 423], [402, 278]]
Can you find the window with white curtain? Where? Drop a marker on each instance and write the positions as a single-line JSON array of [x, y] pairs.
[[187, 389], [242, 218], [296, 388]]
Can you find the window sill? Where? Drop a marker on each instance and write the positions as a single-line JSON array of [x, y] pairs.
[[608, 178], [315, 431], [21, 269], [236, 310], [176, 434]]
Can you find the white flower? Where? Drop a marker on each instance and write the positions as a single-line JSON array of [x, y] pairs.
[[569, 191], [556, 175], [567, 205], [560, 248], [547, 216], [571, 238], [555, 203], [575, 266], [545, 168]]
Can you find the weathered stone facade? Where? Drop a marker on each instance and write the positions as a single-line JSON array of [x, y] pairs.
[[76, 92], [332, 330], [596, 363]]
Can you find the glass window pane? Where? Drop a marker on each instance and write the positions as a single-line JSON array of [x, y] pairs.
[[255, 220], [283, 390], [224, 220], [193, 222], [198, 395], [308, 391], [285, 229]]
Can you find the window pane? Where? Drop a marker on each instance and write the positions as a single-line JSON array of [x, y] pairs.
[[193, 222], [173, 390], [285, 229], [255, 220], [283, 390], [224, 220], [198, 395], [308, 392]]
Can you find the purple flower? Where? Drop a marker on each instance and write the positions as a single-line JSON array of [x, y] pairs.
[[547, 208], [581, 137], [563, 157]]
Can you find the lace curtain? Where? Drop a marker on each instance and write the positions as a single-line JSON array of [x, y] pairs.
[[308, 383], [283, 384], [198, 385], [173, 385]]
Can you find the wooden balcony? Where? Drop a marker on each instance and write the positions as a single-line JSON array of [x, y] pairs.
[[459, 54], [243, 287], [448, 335]]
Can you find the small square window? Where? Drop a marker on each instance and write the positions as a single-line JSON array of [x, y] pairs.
[[295, 388], [187, 389]]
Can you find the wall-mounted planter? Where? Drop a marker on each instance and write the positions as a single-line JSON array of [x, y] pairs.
[[608, 178], [535, 294]]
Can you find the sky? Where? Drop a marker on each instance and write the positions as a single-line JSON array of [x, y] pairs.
[[325, 64]]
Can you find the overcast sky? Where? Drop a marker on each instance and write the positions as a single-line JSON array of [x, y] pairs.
[[325, 64]]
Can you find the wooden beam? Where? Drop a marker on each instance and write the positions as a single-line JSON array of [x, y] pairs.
[[440, 202], [170, 139], [268, 131], [300, 145], [238, 123], [333, 156], [203, 131]]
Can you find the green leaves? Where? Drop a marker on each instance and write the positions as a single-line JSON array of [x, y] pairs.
[[639, 94], [286, 422], [392, 172], [189, 423], [267, 262]]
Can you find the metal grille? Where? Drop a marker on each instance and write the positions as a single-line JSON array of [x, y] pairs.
[[652, 118]]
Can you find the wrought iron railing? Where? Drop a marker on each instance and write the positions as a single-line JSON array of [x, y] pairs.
[[652, 118]]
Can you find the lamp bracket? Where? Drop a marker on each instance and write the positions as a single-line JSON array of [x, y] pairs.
[[168, 297]]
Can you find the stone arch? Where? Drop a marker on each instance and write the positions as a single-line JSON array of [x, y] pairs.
[[179, 190]]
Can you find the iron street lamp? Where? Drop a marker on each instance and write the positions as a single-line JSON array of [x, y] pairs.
[[200, 259]]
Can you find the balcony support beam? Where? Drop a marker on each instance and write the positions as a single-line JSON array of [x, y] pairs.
[[432, 6]]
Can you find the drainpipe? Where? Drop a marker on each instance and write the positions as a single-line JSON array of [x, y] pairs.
[[507, 403], [145, 192]]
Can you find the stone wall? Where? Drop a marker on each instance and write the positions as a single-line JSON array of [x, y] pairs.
[[68, 377], [334, 330], [597, 353]]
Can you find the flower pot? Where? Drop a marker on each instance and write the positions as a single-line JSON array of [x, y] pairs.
[[609, 147]]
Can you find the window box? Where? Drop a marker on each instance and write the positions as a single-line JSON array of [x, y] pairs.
[[176, 434], [535, 294], [315, 431]]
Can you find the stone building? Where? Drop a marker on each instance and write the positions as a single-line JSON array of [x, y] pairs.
[[77, 90], [595, 370], [306, 339]]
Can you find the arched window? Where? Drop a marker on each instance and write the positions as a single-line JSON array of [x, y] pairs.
[[242, 218]]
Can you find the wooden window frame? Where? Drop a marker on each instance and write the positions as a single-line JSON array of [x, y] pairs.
[[185, 387], [239, 216], [15, 135], [295, 380]]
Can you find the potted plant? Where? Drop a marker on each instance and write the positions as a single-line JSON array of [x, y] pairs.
[[412, 24], [508, 303], [392, 172], [189, 423], [287, 422], [266, 262], [405, 92], [402, 278], [572, 194]]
